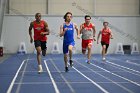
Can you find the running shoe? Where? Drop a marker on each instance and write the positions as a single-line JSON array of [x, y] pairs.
[[103, 58], [88, 61], [40, 70], [71, 63], [43, 52], [66, 69]]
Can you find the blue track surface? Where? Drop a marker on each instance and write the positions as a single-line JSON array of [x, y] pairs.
[[119, 74]]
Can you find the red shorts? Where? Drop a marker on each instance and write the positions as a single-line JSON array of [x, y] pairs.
[[85, 43]]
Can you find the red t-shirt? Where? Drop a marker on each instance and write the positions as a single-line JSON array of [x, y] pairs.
[[88, 27], [38, 28], [106, 35]]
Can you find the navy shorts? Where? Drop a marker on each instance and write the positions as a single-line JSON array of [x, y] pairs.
[[66, 45]]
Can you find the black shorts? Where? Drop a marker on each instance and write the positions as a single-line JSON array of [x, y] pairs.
[[42, 44], [103, 43]]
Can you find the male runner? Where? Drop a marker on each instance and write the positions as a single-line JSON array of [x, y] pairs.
[[67, 31], [88, 31], [106, 35], [40, 31]]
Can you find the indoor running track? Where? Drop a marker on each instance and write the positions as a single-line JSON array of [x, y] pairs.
[[119, 74]]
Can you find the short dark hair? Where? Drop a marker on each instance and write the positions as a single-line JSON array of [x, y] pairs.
[[37, 14], [87, 16], [66, 15], [105, 22]]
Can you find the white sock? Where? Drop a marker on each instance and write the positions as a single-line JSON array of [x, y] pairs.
[[40, 66]]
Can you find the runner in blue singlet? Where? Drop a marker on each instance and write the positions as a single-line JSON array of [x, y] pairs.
[[67, 30]]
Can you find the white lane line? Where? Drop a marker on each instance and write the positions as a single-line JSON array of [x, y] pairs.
[[126, 89], [33, 83], [127, 61], [71, 82], [21, 79], [116, 75], [70, 71], [13, 81], [54, 83], [97, 85], [133, 63], [131, 58], [93, 82], [123, 67], [30, 71], [35, 59], [72, 90], [124, 70]]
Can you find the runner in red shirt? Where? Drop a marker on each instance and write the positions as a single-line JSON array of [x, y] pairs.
[[40, 31], [87, 30], [106, 35]]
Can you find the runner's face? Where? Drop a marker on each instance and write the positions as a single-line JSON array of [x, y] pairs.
[[106, 25], [87, 20], [38, 17], [69, 17]]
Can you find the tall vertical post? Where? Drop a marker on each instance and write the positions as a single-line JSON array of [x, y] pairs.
[[94, 7], [2, 9], [139, 7]]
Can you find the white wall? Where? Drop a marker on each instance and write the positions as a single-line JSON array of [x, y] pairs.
[[117, 7], [28, 6], [15, 30], [59, 7]]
